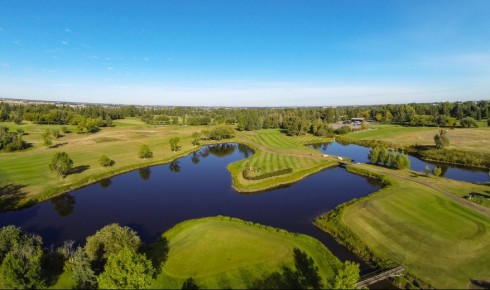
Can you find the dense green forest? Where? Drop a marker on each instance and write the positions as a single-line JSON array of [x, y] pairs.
[[430, 114]]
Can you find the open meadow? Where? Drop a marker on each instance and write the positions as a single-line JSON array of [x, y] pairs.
[[464, 139]]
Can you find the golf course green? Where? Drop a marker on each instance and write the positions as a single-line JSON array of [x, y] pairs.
[[222, 252], [440, 238]]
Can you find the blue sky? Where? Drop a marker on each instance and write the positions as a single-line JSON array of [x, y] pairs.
[[245, 53]]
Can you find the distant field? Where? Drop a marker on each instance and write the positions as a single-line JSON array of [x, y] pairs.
[[466, 139], [438, 238], [28, 170], [230, 254]]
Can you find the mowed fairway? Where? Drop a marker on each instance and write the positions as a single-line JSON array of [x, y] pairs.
[[434, 236], [229, 253], [465, 139], [276, 151], [25, 175]]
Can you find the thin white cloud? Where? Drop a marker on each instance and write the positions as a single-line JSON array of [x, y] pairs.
[[4, 65], [109, 68], [146, 59], [471, 60], [68, 30], [64, 42], [17, 42]]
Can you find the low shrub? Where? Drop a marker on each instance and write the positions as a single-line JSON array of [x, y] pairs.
[[248, 176]]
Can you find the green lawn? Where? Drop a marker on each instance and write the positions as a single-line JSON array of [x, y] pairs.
[[275, 151], [434, 235], [220, 252]]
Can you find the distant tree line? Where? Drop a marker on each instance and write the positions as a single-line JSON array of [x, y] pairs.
[[296, 121]]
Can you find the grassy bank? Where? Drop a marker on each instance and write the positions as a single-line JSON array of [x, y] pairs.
[[274, 151], [25, 177], [439, 237], [222, 252]]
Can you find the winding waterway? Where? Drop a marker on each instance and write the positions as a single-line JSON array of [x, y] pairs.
[[360, 154], [154, 199]]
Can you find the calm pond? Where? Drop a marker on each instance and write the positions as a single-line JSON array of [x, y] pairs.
[[360, 154], [154, 199]]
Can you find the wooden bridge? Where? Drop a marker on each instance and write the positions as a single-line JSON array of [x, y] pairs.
[[376, 276]]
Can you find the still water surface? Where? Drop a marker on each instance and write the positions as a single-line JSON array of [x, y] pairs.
[[154, 199], [360, 154]]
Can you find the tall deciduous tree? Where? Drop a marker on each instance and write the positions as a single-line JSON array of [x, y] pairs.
[[105, 161], [347, 276], [427, 170], [61, 163], [126, 269], [21, 259], [145, 152], [196, 136], [374, 155], [174, 143], [437, 171], [468, 122], [46, 138], [111, 239], [190, 284], [441, 139], [83, 275], [402, 161]]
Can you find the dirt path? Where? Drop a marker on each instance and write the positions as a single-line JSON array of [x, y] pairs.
[[466, 203]]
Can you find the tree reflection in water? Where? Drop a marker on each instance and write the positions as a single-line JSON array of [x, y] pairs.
[[105, 183], [145, 173], [174, 166], [64, 204]]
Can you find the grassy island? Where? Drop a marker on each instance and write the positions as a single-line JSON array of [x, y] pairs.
[[276, 152]]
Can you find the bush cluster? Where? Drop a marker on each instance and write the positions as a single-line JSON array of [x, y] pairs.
[[10, 141], [389, 158], [246, 174]]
